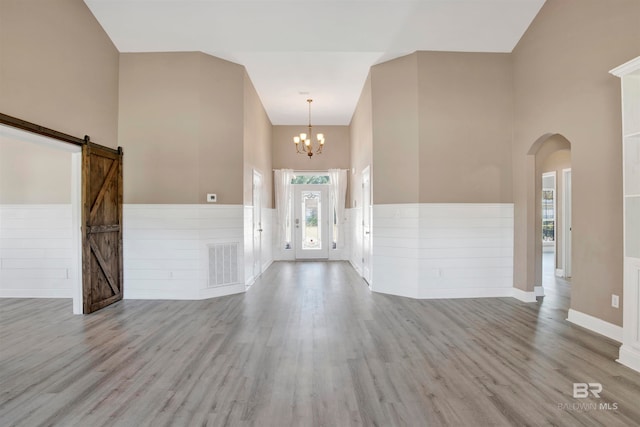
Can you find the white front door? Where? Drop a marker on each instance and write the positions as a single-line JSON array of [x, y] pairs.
[[257, 224], [366, 225], [311, 221]]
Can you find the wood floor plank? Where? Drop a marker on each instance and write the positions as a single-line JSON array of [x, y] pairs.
[[308, 345]]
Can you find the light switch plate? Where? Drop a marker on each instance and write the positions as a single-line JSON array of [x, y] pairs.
[[212, 198]]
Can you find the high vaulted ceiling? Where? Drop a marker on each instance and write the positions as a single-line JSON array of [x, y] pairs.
[[323, 49]]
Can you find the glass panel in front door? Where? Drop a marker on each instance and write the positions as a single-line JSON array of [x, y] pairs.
[[312, 221]]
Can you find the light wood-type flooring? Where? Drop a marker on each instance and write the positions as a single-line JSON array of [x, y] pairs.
[[308, 345]]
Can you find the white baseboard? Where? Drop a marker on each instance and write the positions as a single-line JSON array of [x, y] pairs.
[[266, 265], [250, 281], [629, 357], [596, 325], [221, 291], [355, 267], [177, 294], [559, 272], [465, 293], [158, 294], [523, 296], [36, 293], [538, 291], [472, 293]]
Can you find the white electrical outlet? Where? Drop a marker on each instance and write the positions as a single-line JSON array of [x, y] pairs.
[[615, 301], [212, 198]]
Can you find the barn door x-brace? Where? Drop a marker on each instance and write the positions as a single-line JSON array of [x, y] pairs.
[[102, 282]]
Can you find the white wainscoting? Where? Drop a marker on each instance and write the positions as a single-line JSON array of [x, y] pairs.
[[455, 250], [36, 251], [166, 249], [355, 237]]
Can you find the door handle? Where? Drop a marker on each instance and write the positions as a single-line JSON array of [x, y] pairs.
[[367, 232], [260, 230]]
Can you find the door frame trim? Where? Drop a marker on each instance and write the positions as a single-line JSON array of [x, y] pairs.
[[76, 228], [567, 246], [369, 280], [256, 174], [555, 215]]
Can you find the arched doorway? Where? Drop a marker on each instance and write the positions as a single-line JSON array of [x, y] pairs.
[[549, 212]]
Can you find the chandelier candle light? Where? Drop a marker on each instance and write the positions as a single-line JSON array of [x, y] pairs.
[[305, 138]]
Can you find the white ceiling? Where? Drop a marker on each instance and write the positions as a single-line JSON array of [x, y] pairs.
[[321, 47]]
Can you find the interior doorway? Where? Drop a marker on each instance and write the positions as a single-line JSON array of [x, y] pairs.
[[549, 224], [257, 223], [551, 260], [94, 245], [59, 269]]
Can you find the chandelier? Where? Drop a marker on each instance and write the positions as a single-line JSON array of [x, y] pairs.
[[306, 139]]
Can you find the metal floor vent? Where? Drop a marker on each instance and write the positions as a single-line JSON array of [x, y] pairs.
[[223, 264]]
